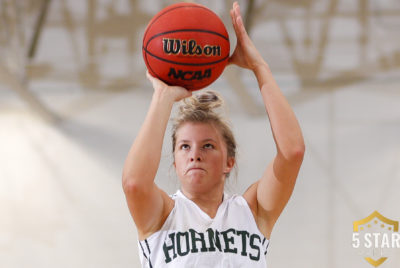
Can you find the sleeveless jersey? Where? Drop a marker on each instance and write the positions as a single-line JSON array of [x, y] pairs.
[[191, 238]]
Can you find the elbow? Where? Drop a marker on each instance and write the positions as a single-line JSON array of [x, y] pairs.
[[297, 153], [130, 185], [137, 182], [294, 155]]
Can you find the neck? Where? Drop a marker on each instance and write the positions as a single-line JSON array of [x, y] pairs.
[[208, 202]]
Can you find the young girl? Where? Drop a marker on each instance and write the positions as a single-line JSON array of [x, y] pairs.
[[199, 226]]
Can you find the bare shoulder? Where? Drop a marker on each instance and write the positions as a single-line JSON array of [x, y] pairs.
[[250, 195], [169, 204], [150, 214]]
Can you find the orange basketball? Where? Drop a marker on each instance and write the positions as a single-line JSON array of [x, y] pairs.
[[186, 44]]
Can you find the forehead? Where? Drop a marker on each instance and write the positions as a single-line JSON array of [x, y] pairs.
[[198, 131]]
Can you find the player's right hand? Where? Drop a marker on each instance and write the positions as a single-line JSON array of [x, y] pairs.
[[173, 93]]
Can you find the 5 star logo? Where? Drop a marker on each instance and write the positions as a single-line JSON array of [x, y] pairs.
[[376, 235]]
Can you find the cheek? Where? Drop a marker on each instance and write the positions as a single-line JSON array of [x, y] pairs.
[[178, 163], [219, 160]]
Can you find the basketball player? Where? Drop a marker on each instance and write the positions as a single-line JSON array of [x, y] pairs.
[[200, 226]]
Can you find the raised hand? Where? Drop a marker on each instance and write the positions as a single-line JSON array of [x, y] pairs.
[[245, 54], [175, 93]]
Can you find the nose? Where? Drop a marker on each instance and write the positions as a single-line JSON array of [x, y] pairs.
[[196, 155], [192, 159]]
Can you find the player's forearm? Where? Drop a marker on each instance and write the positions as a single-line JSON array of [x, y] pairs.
[[284, 124], [143, 159]]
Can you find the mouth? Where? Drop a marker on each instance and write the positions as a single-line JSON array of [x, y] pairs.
[[195, 169]]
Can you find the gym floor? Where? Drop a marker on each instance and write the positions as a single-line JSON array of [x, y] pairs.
[[72, 101]]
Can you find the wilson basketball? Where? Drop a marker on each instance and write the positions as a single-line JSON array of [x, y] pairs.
[[186, 44]]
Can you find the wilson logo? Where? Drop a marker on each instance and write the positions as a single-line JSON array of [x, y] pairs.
[[189, 48]]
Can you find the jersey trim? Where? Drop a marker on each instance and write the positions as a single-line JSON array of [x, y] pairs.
[[144, 254]]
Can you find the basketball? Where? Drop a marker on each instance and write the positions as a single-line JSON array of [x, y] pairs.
[[186, 45]]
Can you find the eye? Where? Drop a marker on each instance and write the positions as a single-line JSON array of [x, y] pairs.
[[208, 146], [184, 146]]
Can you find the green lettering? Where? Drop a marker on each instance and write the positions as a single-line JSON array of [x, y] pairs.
[[195, 239], [166, 249], [213, 238], [178, 243], [244, 235], [256, 247], [229, 240]]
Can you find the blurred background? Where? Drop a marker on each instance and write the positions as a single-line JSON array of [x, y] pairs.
[[73, 95]]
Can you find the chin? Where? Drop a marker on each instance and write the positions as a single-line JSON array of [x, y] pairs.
[[196, 185]]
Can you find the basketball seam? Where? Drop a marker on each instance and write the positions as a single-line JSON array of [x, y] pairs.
[[184, 30], [148, 64], [156, 18], [187, 30], [153, 72]]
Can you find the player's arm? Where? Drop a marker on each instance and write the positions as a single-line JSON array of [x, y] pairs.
[[277, 183], [149, 205], [268, 196]]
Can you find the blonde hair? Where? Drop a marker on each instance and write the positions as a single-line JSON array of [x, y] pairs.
[[200, 108]]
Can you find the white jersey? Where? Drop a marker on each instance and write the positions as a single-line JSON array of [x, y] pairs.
[[191, 238]]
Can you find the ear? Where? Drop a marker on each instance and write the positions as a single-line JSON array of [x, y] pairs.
[[229, 164]]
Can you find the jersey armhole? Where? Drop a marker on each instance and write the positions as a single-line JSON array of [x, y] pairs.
[[250, 212], [166, 222]]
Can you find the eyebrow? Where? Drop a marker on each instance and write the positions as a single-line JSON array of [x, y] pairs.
[[205, 140]]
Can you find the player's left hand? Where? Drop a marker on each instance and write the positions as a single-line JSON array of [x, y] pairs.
[[245, 54]]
